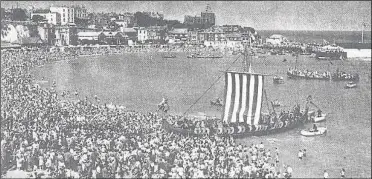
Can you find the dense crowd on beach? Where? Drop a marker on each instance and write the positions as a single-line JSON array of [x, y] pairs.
[[46, 135], [108, 50]]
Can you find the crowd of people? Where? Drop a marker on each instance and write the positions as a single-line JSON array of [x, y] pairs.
[[109, 50], [309, 74], [46, 135]]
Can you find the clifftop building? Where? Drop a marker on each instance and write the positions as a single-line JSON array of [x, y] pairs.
[[154, 15], [80, 12], [206, 20], [50, 17], [67, 14]]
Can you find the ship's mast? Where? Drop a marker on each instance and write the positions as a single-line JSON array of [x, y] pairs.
[[364, 25], [246, 62], [363, 32]]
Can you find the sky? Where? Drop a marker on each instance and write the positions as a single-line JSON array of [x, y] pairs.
[[261, 15]]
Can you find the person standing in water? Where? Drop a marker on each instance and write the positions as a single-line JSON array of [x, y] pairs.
[[342, 173], [300, 155]]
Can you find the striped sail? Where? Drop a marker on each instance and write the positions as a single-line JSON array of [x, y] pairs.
[[243, 98]]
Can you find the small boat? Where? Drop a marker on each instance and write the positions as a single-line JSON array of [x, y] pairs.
[[216, 103], [276, 103], [207, 56], [194, 55], [169, 56], [351, 85], [320, 118], [278, 80], [310, 132], [342, 76]]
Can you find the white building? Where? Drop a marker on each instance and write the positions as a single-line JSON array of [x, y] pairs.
[[276, 39], [67, 14], [80, 12], [65, 35], [122, 23], [51, 17], [142, 34]]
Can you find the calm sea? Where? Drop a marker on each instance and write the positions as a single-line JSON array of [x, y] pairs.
[[139, 82], [318, 36]]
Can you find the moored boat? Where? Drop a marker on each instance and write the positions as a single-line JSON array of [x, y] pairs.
[[320, 118], [169, 56], [311, 133], [278, 80], [351, 85], [276, 103], [203, 56], [343, 76]]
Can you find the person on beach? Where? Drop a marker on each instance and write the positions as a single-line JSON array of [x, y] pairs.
[[315, 128], [319, 113], [300, 155], [325, 174]]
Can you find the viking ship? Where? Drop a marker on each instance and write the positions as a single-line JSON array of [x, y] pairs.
[[242, 110]]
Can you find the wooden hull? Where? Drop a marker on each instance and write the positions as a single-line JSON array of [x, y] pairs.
[[320, 119], [235, 131], [348, 86], [331, 55], [278, 81], [345, 78], [307, 133]]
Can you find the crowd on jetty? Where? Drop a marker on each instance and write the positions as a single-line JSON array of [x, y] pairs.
[[46, 135]]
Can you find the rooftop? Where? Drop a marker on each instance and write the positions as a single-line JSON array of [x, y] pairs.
[[128, 30], [179, 31], [276, 36], [89, 34]]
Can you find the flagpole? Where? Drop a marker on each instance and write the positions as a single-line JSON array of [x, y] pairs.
[[363, 33]]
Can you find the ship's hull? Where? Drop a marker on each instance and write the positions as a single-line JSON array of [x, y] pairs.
[[237, 131], [330, 55], [293, 76], [348, 77], [170, 57]]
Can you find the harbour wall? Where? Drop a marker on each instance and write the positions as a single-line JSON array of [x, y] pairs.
[[358, 53]]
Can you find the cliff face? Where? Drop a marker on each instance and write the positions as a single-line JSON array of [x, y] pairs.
[[13, 33]]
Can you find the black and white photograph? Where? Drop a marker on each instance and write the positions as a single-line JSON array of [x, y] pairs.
[[186, 89]]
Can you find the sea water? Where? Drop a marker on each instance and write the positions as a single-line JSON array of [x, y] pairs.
[[139, 83]]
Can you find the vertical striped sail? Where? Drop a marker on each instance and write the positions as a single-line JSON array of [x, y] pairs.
[[243, 98]]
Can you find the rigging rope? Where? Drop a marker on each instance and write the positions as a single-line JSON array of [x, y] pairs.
[[210, 87]]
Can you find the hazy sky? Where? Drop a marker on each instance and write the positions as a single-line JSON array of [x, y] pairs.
[[265, 15]]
